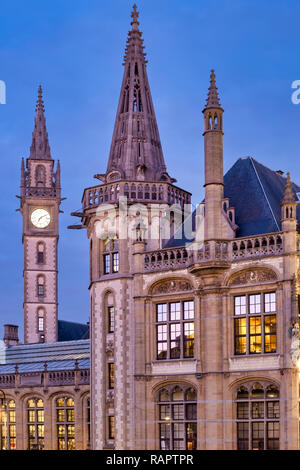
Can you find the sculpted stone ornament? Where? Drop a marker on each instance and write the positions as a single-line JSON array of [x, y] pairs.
[[294, 333], [172, 286], [110, 346], [253, 277]]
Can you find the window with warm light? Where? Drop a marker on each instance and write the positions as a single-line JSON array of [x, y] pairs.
[[65, 423], [35, 424], [8, 426], [257, 417], [255, 323], [177, 418], [175, 330]]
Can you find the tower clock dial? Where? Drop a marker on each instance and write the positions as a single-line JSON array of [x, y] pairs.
[[40, 218]]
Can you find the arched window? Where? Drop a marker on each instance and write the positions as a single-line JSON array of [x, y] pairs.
[[40, 253], [41, 319], [40, 286], [40, 176], [257, 416], [8, 425], [111, 256], [65, 423], [177, 417], [35, 424]]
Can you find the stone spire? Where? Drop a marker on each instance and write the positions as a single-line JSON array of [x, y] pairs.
[[288, 195], [135, 152], [212, 100], [40, 148]]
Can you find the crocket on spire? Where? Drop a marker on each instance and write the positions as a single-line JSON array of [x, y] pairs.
[[212, 100], [288, 195], [135, 152], [40, 148]]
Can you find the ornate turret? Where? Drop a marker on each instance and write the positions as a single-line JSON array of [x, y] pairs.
[[288, 207], [217, 225], [136, 152]]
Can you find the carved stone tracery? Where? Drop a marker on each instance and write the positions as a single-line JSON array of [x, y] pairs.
[[176, 285], [253, 277]]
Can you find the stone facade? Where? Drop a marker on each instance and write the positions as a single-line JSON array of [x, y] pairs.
[[231, 363]]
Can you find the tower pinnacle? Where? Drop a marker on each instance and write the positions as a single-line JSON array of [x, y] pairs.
[[135, 152], [212, 100], [40, 148], [288, 195]]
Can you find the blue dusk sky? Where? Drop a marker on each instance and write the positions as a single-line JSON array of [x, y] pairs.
[[74, 48]]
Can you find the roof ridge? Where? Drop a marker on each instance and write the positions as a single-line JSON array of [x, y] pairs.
[[263, 189]]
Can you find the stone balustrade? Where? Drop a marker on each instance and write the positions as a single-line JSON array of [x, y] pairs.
[[50, 379], [237, 249], [136, 191]]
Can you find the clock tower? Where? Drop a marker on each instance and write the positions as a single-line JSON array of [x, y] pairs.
[[40, 201]]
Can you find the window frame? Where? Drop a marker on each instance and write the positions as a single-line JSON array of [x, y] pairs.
[[173, 322], [250, 326]]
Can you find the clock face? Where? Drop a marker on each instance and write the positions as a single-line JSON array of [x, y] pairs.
[[40, 218]]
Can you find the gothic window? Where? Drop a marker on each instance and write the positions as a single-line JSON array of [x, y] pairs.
[[111, 256], [65, 423], [255, 323], [111, 427], [111, 375], [8, 426], [177, 418], [41, 286], [41, 320], [257, 417], [175, 330], [41, 253], [35, 424], [40, 176], [111, 319]]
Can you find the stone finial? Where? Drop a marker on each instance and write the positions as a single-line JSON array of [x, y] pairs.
[[134, 16], [40, 148], [288, 195], [213, 98]]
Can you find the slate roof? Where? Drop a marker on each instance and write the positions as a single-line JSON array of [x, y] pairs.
[[70, 331], [58, 356], [256, 193]]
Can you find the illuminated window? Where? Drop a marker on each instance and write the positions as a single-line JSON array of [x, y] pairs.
[[111, 375], [177, 418], [41, 323], [111, 427], [175, 330], [257, 417], [111, 319], [254, 326], [35, 424], [8, 426], [65, 423]]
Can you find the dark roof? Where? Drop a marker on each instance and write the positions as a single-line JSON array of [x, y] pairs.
[[256, 193], [70, 331]]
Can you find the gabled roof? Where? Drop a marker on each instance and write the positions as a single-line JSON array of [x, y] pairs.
[[256, 193], [70, 331]]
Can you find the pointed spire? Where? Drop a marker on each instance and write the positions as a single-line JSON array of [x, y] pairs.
[[288, 195], [136, 152], [134, 46], [213, 98], [40, 145]]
